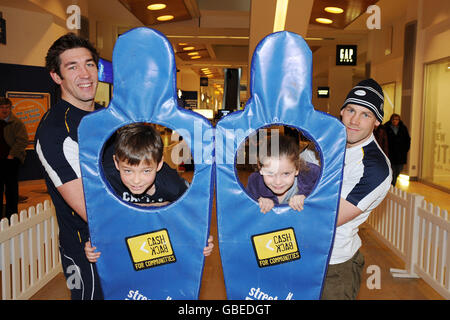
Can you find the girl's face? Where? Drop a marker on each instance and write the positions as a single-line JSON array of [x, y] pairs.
[[279, 174]]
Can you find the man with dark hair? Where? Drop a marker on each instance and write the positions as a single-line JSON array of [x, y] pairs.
[[365, 183], [72, 63], [13, 141]]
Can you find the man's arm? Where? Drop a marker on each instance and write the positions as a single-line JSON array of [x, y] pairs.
[[347, 212], [72, 192]]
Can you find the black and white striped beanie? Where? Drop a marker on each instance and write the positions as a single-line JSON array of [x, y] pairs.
[[369, 94]]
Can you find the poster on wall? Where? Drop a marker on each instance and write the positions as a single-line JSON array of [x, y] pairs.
[[29, 107]]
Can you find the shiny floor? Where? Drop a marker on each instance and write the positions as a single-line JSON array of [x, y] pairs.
[[213, 287]]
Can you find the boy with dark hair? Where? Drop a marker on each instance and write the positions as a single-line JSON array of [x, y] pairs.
[[140, 175]]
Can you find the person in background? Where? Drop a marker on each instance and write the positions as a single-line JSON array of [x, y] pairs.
[[382, 139], [13, 141], [399, 143]]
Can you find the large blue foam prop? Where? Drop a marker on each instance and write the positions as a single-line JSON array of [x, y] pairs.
[[147, 253], [282, 254]]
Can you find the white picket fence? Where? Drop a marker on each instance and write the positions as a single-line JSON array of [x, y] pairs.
[[29, 254], [419, 233]]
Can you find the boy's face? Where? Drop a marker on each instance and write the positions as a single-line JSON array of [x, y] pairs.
[[359, 122], [138, 179], [279, 174]]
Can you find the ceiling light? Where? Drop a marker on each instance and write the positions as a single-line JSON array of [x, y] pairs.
[[194, 53], [335, 10], [196, 57], [165, 18], [188, 48], [156, 6], [280, 15], [324, 20], [182, 44]]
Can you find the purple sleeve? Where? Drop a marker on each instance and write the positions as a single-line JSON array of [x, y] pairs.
[[252, 185], [307, 179]]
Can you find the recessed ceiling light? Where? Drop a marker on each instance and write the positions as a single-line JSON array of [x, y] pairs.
[[182, 44], [196, 57], [156, 6], [334, 10], [194, 53], [188, 48], [165, 18], [324, 20]]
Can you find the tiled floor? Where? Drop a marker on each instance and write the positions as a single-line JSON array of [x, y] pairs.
[[213, 286]]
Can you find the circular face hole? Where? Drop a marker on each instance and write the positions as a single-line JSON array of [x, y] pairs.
[[147, 164], [277, 163]]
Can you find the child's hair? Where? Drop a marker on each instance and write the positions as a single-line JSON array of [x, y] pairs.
[[283, 146], [138, 142]]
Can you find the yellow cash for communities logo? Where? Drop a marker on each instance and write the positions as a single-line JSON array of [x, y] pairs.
[[275, 247], [150, 249]]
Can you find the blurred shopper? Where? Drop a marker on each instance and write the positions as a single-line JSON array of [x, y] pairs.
[[399, 143], [382, 139], [13, 141]]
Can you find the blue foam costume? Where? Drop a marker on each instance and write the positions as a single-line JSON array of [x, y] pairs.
[[147, 253], [282, 254]]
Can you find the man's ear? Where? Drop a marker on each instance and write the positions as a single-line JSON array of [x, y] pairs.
[[55, 77]]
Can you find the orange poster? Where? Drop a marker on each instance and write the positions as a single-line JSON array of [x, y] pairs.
[[29, 107]]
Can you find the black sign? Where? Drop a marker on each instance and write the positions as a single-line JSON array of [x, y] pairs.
[[2, 31], [346, 55], [323, 92], [203, 82]]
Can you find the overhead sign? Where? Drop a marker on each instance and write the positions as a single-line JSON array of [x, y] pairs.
[[346, 55], [323, 92]]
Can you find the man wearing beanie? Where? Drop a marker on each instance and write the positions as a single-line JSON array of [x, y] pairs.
[[366, 181]]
